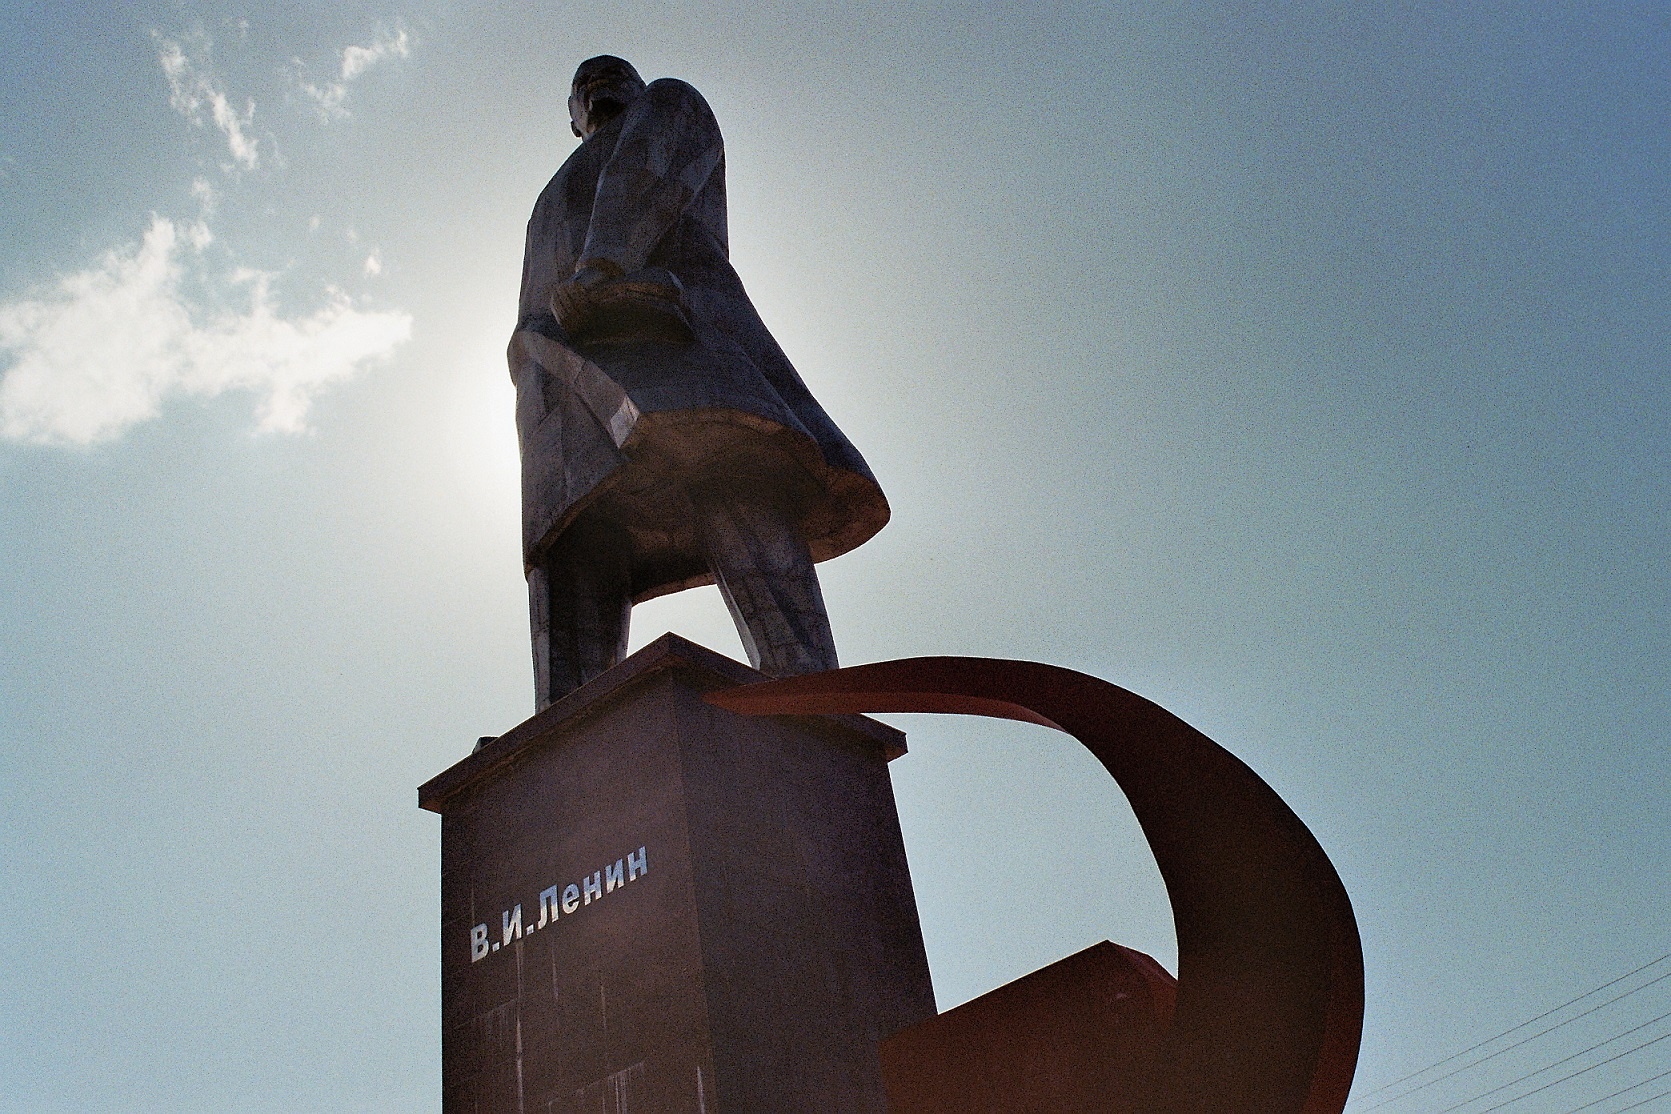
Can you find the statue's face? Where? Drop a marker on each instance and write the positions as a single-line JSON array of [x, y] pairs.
[[602, 89]]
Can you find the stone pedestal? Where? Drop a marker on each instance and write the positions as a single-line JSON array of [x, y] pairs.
[[650, 904]]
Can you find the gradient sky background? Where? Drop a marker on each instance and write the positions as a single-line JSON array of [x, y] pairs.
[[1302, 367]]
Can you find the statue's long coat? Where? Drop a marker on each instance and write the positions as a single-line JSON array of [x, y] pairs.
[[626, 431]]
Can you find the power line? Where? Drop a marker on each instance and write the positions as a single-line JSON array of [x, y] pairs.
[[1644, 1102], [1515, 1029], [1564, 1078], [1616, 1094], [1559, 1063], [1523, 1040]]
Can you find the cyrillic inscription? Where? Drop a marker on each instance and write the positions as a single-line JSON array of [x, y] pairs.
[[559, 900]]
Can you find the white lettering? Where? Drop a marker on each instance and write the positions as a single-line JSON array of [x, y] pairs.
[[512, 923], [548, 898], [555, 901]]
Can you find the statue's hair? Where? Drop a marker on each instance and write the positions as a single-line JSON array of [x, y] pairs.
[[609, 58]]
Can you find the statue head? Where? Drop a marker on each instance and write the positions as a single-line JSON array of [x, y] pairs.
[[602, 89]]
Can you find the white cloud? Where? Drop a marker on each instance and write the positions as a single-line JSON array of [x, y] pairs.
[[208, 198], [356, 60], [102, 349], [193, 91]]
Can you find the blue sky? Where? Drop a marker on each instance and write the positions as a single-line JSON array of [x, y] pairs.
[[1301, 367]]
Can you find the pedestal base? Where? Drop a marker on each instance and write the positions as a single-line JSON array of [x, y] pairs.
[[648, 903]]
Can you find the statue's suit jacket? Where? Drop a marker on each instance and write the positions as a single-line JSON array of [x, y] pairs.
[[628, 430]]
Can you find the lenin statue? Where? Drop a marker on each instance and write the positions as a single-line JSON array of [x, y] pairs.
[[666, 439]]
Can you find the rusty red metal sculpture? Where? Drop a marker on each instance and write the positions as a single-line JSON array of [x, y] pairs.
[[1270, 969]]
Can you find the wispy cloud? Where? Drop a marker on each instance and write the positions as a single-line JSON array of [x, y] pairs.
[[96, 351], [101, 349], [328, 98], [195, 93]]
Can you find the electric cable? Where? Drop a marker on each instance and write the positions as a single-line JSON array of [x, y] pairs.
[[1563, 1079], [1514, 1029], [1616, 1094], [1644, 1102], [1518, 1043]]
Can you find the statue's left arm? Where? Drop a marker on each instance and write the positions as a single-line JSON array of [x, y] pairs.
[[668, 148]]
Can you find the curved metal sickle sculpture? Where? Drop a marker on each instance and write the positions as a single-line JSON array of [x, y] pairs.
[[1270, 969]]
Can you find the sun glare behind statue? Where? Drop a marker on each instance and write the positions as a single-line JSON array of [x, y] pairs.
[[481, 430]]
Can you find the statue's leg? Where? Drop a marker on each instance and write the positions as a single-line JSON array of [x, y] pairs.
[[579, 606], [766, 577]]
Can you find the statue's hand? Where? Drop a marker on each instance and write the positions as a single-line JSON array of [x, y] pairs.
[[572, 302], [571, 305]]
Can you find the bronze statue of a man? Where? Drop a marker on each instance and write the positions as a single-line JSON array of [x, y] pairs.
[[667, 441]]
